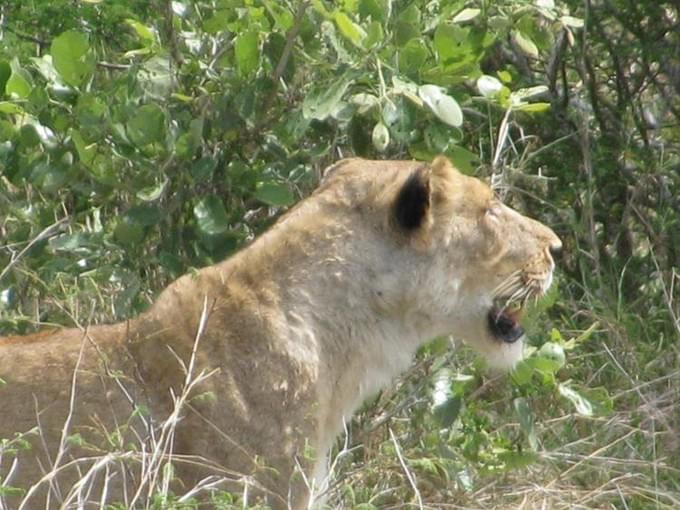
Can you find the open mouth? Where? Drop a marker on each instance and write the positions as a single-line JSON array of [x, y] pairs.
[[504, 321]]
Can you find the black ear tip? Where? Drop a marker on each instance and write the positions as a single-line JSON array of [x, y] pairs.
[[413, 201]]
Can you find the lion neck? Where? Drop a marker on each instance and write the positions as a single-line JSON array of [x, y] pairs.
[[349, 312]]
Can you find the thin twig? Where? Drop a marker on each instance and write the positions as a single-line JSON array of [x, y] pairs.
[[290, 41], [44, 234], [285, 57], [115, 67], [409, 475]]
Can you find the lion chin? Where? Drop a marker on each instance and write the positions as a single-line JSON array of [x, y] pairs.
[[245, 372]]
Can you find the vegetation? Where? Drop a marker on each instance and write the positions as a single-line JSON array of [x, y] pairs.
[[140, 139]]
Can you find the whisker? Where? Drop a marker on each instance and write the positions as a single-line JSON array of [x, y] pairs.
[[508, 284]]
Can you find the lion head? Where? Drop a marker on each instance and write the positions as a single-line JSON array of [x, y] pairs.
[[456, 260]]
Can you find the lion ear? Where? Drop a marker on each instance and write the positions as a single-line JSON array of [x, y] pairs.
[[413, 202]]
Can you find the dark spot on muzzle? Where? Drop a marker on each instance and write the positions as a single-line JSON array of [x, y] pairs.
[[503, 326]]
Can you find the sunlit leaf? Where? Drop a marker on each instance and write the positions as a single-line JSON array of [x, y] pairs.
[[533, 107], [525, 43], [322, 101], [152, 192], [145, 33], [365, 102], [450, 43], [582, 405], [19, 83], [86, 153], [349, 29], [466, 14], [46, 68], [10, 108], [71, 57], [147, 126], [553, 351], [380, 137], [521, 95], [488, 86], [247, 52], [572, 22], [442, 105], [211, 215]]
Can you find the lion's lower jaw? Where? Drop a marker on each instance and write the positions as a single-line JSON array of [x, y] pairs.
[[501, 356]]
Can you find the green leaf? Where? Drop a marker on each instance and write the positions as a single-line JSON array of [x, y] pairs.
[[219, 22], [91, 111], [582, 405], [407, 89], [147, 126], [447, 412], [522, 372], [349, 29], [9, 491], [407, 25], [45, 67], [86, 153], [19, 83], [202, 170], [274, 194], [380, 137], [211, 215], [413, 56], [442, 105], [517, 459], [128, 232], [322, 101], [374, 35], [504, 76], [488, 86], [152, 193], [553, 351], [525, 43], [533, 107], [71, 57], [463, 159], [527, 93], [247, 52], [365, 102], [72, 243], [156, 77], [144, 215], [467, 14], [450, 43], [526, 420], [145, 33], [572, 22], [376, 9], [11, 108], [283, 18], [5, 73]]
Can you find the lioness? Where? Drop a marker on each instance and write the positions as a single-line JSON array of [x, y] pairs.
[[283, 341]]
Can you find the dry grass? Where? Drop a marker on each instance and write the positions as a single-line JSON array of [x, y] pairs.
[[146, 467]]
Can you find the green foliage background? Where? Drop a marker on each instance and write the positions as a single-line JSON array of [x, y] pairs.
[[141, 139]]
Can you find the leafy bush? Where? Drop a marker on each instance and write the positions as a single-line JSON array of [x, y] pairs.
[[138, 140]]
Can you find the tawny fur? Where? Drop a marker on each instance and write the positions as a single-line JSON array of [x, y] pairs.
[[322, 310]]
